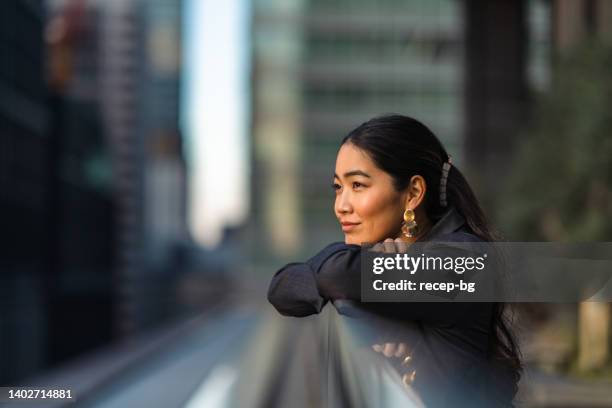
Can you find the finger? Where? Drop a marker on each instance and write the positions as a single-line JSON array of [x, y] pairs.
[[377, 348], [401, 350], [402, 247], [389, 246], [389, 349], [378, 248]]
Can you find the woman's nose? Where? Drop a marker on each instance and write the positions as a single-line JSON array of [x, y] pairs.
[[343, 204]]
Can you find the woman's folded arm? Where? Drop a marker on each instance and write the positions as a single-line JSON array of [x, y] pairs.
[[303, 288], [294, 291], [338, 276]]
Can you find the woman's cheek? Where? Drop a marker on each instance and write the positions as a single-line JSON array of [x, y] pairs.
[[366, 204], [379, 229]]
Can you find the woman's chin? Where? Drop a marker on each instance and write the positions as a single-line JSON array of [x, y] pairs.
[[349, 240]]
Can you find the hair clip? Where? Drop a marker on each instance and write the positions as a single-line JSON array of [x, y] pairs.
[[445, 169]]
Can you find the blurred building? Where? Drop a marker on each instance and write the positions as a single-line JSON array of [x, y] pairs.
[[137, 91], [320, 68], [276, 216], [164, 174], [139, 85], [56, 272], [92, 176], [25, 194]]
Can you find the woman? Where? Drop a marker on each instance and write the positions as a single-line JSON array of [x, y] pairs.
[[395, 184]]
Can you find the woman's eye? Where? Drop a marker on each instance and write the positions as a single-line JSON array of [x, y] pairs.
[[357, 184], [335, 186]]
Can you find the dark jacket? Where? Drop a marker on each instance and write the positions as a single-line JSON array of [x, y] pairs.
[[449, 341]]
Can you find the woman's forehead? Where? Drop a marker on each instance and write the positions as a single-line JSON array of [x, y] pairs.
[[352, 158]]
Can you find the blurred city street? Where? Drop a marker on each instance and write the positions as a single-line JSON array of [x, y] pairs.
[[248, 356]]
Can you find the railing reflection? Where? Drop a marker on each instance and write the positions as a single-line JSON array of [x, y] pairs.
[[368, 378], [326, 360]]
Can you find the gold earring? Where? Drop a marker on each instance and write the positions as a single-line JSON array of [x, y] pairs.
[[409, 226]]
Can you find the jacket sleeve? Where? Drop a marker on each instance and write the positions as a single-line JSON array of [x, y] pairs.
[[302, 289], [293, 290], [338, 276]]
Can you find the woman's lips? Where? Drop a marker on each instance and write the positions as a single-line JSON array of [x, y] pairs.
[[349, 226]]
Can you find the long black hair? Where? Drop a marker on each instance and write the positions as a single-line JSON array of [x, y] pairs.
[[403, 147]]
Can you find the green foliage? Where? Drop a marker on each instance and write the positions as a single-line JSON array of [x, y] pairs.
[[561, 187]]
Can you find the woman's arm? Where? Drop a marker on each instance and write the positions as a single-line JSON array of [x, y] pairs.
[[302, 289], [338, 276], [293, 290]]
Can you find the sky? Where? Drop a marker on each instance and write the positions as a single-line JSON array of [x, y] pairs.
[[214, 114]]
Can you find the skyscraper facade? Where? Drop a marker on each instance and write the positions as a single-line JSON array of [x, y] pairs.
[[320, 68]]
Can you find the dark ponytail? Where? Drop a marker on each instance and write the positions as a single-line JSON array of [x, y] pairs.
[[461, 196], [404, 147]]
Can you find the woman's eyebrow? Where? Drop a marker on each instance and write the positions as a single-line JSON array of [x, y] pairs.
[[353, 173]]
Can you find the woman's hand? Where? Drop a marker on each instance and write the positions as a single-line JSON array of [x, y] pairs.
[[398, 350], [391, 245]]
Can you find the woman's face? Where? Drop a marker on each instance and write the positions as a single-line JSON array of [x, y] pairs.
[[367, 205]]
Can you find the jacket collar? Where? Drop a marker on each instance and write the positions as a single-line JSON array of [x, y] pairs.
[[450, 222]]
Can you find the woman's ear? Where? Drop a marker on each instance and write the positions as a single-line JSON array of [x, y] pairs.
[[416, 192]]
